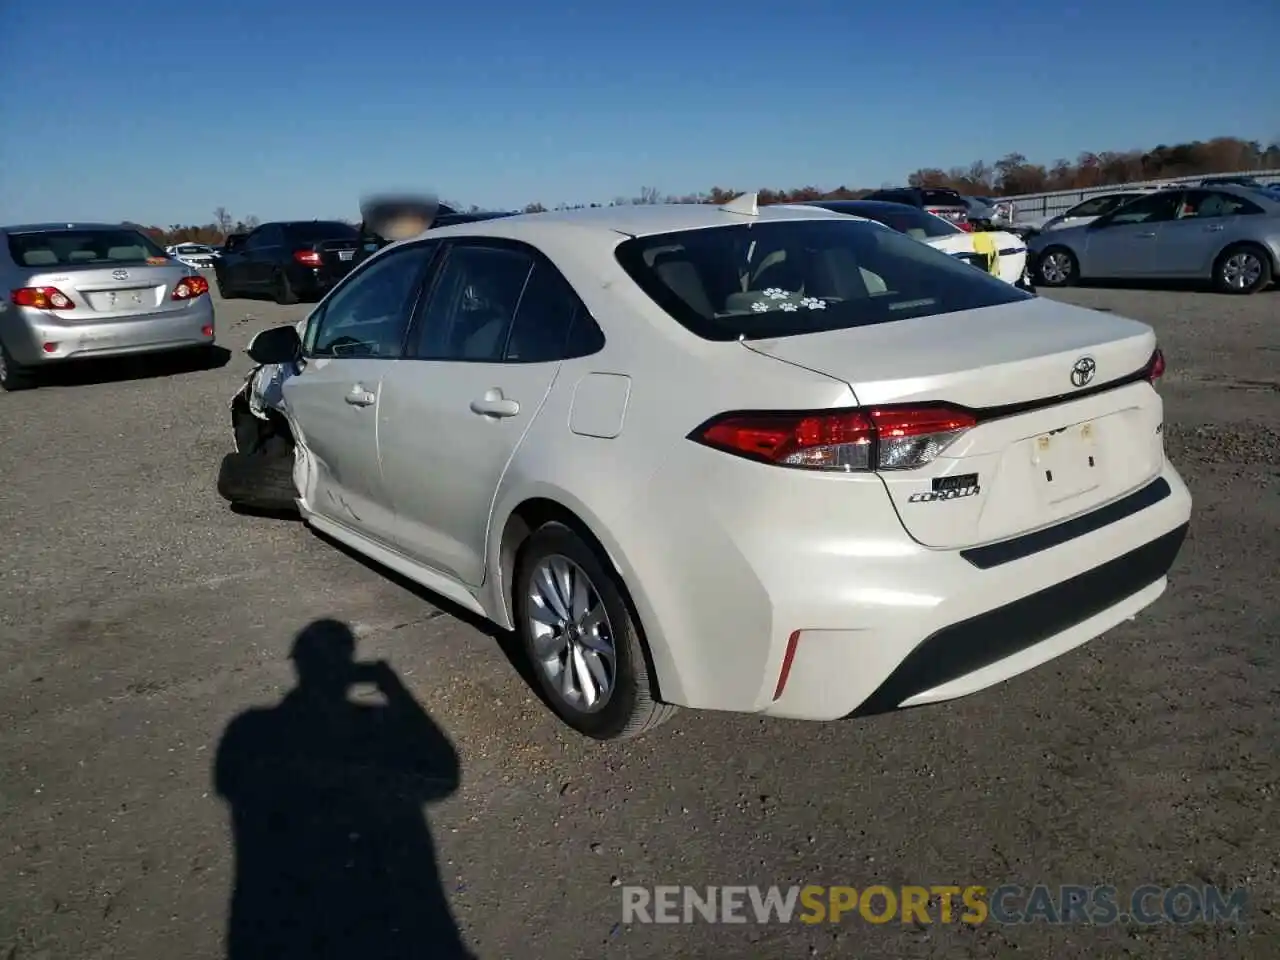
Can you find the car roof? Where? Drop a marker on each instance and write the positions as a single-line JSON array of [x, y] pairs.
[[636, 221], [870, 206], [64, 226]]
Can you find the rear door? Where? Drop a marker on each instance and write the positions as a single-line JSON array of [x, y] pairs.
[[253, 264], [351, 342], [486, 349], [1206, 219], [105, 273]]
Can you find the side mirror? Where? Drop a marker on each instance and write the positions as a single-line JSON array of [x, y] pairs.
[[276, 345]]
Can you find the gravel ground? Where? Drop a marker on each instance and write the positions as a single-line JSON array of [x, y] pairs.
[[139, 617]]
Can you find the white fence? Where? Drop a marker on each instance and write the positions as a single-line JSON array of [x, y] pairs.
[[1049, 204]]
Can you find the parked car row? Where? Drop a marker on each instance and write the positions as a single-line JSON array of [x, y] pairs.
[[1225, 233], [778, 460]]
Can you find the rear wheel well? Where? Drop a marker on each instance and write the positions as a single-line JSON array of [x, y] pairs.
[[527, 518]]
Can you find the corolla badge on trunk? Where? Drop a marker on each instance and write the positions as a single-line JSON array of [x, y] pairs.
[[1082, 371], [954, 487]]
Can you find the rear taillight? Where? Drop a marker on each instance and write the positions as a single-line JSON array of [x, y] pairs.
[[307, 258], [877, 438], [1155, 366], [189, 288], [41, 298]]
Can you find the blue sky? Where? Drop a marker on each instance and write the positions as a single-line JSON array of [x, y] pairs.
[[160, 112]]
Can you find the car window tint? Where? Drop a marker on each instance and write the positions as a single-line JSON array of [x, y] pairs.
[[1149, 209], [469, 314], [544, 318], [804, 276], [56, 248], [1205, 204], [1097, 206], [942, 198], [368, 315]]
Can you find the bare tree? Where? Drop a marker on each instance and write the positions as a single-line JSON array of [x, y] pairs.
[[649, 195], [251, 222], [223, 220]]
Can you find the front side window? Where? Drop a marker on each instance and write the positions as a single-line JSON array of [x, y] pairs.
[[778, 279], [369, 314], [1149, 209], [60, 248], [1097, 206]]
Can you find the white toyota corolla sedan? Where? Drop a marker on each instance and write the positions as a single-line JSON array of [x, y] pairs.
[[770, 460]]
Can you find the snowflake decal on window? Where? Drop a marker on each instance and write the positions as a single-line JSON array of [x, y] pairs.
[[776, 293], [813, 303]]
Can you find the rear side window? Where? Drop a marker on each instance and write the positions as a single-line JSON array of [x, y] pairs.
[[788, 278], [321, 230], [59, 248], [943, 198]]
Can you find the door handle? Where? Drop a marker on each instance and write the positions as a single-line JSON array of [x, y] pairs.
[[494, 404], [1213, 228], [360, 397], [1144, 236]]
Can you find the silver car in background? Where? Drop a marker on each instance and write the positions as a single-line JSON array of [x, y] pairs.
[[76, 291], [1226, 234], [1086, 211]]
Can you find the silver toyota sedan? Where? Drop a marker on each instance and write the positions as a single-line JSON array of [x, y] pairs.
[[1229, 235], [89, 290]]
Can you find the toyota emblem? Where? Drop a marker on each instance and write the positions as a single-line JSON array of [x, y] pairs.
[[1082, 371], [120, 274]]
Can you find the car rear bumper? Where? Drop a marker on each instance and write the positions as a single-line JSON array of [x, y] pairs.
[[37, 337], [817, 605]]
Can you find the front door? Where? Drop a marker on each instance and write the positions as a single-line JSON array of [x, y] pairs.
[[350, 345], [1123, 243]]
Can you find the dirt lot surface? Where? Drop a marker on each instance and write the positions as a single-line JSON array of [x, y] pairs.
[[139, 617]]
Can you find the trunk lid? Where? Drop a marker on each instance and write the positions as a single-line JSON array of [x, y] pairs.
[[115, 291], [1044, 448]]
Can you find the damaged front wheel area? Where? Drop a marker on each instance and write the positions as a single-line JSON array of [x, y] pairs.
[[261, 479], [259, 474]]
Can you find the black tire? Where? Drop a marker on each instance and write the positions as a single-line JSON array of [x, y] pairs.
[[225, 291], [630, 708], [1061, 256], [285, 295], [13, 376], [262, 480], [1229, 265]]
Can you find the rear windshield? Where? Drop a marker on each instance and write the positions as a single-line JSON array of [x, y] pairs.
[[322, 230], [58, 248], [793, 277], [942, 198], [912, 221]]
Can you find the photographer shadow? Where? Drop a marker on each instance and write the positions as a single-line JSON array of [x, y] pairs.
[[333, 854]]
